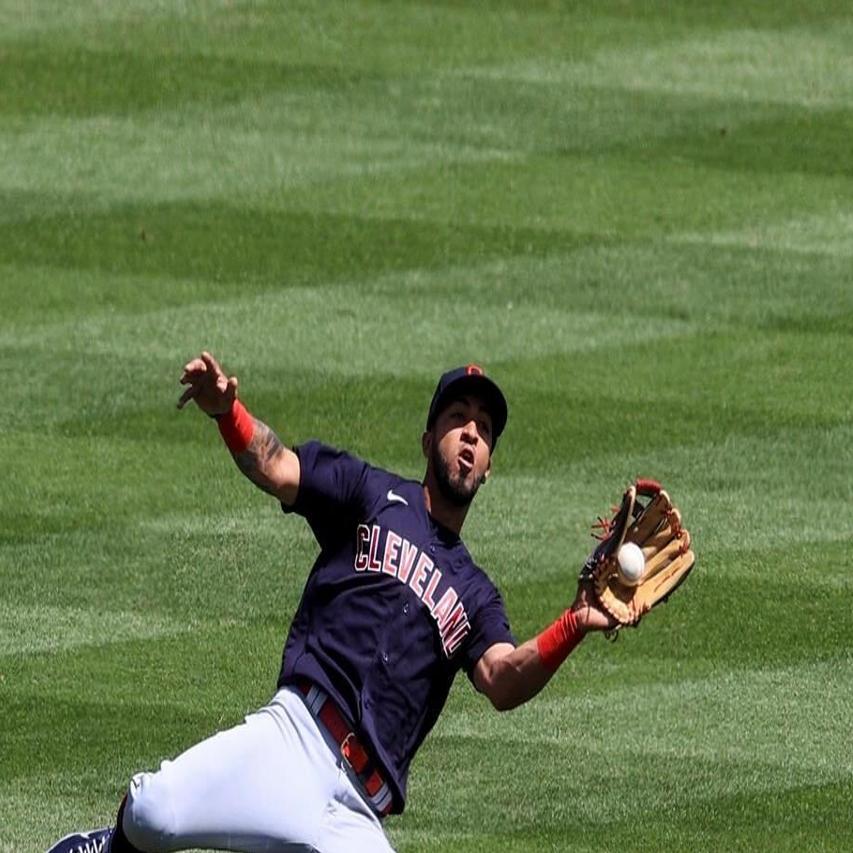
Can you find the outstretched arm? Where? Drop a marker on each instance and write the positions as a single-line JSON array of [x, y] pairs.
[[256, 449], [511, 675]]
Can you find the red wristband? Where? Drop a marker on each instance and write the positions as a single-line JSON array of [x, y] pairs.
[[558, 640], [237, 427]]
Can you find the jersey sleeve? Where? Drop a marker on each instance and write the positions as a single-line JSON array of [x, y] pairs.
[[490, 626], [332, 486]]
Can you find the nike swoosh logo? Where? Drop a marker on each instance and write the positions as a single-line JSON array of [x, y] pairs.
[[393, 496]]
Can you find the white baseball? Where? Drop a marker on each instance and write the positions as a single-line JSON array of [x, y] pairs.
[[631, 563]]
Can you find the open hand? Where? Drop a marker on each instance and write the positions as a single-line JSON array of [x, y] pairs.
[[213, 391]]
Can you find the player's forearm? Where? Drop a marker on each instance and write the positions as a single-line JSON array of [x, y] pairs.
[[263, 459], [512, 676], [259, 453], [517, 677]]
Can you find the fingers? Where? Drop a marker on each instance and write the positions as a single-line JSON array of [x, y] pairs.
[[208, 384], [194, 373], [212, 364], [188, 395], [200, 365], [193, 370]]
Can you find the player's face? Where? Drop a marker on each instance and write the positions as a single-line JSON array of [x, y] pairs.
[[460, 452]]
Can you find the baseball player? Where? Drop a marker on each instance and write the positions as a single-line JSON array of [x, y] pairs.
[[392, 609]]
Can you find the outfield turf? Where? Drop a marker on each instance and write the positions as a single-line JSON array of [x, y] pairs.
[[638, 216]]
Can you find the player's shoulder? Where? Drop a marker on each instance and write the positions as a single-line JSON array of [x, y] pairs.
[[342, 469], [316, 450], [389, 487], [377, 485]]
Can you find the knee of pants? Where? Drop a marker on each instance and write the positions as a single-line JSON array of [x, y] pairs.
[[149, 817]]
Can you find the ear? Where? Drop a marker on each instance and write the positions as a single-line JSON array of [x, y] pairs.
[[488, 470], [426, 443]]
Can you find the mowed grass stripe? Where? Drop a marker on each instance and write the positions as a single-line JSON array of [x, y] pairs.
[[830, 234], [379, 97], [59, 20], [113, 158], [150, 81], [741, 64], [654, 786], [790, 820], [705, 179], [332, 163], [758, 276], [354, 343], [657, 787], [37, 628], [571, 324], [624, 195], [216, 240], [94, 727], [398, 36], [179, 579], [744, 717], [358, 118], [214, 675]]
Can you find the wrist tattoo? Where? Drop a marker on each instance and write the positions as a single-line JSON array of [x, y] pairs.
[[262, 453]]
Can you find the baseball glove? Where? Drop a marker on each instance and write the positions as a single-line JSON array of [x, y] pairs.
[[647, 518]]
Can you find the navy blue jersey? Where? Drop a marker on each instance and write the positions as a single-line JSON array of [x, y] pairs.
[[393, 607]]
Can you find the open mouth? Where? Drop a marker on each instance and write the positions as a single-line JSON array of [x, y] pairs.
[[466, 460]]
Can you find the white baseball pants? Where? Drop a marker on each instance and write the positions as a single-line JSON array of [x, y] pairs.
[[271, 783]]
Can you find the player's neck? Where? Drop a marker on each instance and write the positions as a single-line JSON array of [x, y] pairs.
[[445, 512]]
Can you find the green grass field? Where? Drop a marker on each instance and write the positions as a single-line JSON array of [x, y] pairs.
[[637, 215]]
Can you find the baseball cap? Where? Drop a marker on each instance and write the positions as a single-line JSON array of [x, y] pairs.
[[470, 379]]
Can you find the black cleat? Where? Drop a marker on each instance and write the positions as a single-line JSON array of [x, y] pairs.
[[94, 841]]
